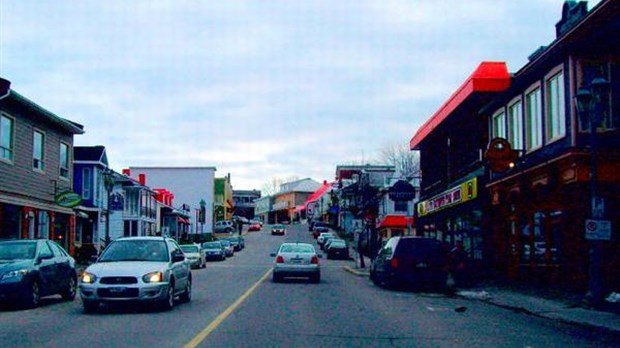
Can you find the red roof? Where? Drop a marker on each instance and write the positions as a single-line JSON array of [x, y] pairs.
[[318, 193], [395, 221], [488, 77]]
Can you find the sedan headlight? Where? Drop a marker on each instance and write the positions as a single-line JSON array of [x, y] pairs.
[[88, 278], [153, 277], [16, 273]]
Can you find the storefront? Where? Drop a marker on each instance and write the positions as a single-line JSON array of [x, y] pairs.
[[453, 216]]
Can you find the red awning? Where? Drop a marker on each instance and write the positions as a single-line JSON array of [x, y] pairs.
[[318, 193], [395, 221], [300, 207], [488, 77]]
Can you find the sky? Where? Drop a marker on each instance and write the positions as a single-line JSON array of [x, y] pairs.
[[260, 90]]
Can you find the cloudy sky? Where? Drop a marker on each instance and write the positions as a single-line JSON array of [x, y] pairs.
[[257, 89]]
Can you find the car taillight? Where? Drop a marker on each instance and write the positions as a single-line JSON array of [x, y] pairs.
[[314, 260], [394, 262], [279, 259]]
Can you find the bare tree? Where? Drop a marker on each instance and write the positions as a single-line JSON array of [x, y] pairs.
[[273, 185], [407, 162]]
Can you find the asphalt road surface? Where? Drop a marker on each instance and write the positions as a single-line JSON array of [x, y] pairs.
[[235, 304]]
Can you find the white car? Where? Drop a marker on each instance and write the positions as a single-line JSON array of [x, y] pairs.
[[296, 260], [224, 226], [320, 240], [137, 269], [196, 255]]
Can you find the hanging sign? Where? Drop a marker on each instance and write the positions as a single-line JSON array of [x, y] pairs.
[[68, 199]]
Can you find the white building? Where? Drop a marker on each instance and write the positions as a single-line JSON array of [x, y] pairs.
[[190, 185]]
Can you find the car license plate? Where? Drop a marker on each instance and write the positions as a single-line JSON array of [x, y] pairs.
[[296, 260], [421, 265]]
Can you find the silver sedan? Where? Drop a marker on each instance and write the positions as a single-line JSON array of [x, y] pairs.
[[296, 260]]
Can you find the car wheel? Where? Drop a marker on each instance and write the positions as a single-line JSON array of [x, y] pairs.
[[186, 296], [276, 278], [68, 294], [90, 306], [34, 295], [168, 303], [316, 278]]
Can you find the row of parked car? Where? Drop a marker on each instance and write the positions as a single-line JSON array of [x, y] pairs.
[[154, 270], [332, 245]]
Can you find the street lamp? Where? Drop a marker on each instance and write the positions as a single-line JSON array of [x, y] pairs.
[[108, 182], [591, 103]]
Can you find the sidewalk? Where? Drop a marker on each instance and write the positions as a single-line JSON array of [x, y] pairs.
[[520, 301]]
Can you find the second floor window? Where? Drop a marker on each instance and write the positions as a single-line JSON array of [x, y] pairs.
[[515, 125], [556, 120], [533, 119], [38, 149], [499, 125], [401, 205], [7, 129], [64, 160], [86, 183]]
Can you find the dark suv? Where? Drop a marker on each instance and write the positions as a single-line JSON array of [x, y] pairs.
[[415, 262]]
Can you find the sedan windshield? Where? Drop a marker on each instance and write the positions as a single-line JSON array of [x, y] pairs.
[[135, 250], [212, 245], [17, 250], [297, 248], [189, 248]]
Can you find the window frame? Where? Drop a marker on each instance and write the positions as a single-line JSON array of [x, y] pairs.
[[498, 120], [552, 118], [38, 164], [67, 159], [87, 182], [10, 158], [515, 129], [528, 124]]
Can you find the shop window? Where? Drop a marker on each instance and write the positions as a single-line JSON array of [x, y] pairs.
[[541, 238], [43, 230]]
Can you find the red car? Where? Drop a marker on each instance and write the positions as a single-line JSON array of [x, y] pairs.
[[254, 227]]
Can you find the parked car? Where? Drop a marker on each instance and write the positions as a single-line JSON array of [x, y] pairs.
[[315, 224], [419, 263], [224, 226], [296, 260], [254, 226], [31, 269], [337, 249], [195, 254], [214, 250], [236, 244], [257, 221], [138, 269], [278, 229], [229, 249], [318, 230], [321, 238]]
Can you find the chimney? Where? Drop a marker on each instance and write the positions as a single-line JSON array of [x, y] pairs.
[[572, 12], [127, 172], [142, 179]]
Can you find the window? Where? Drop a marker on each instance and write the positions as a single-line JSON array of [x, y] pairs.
[[533, 119], [86, 183], [401, 205], [515, 125], [556, 121], [7, 130], [38, 149], [64, 160], [499, 125]]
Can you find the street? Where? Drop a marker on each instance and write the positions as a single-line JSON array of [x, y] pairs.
[[235, 304]]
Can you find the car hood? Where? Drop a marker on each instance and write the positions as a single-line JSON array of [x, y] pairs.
[[125, 268], [192, 255], [6, 265]]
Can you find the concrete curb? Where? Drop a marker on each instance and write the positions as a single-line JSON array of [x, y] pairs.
[[358, 272]]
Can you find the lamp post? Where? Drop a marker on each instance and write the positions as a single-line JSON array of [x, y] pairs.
[[108, 182], [591, 103]]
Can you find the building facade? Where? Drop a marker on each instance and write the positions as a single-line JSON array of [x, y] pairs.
[[36, 171]]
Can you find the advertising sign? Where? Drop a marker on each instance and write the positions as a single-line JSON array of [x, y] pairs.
[[459, 194], [68, 199], [598, 229]]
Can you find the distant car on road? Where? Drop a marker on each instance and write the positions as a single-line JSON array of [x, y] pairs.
[[254, 226], [224, 226], [195, 254], [320, 240], [137, 269], [279, 229], [296, 260], [31, 269], [214, 250], [337, 249], [229, 249]]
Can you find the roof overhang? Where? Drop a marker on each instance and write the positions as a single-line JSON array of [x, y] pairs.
[[488, 77]]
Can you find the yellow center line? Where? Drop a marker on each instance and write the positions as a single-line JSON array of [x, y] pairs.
[[202, 335]]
